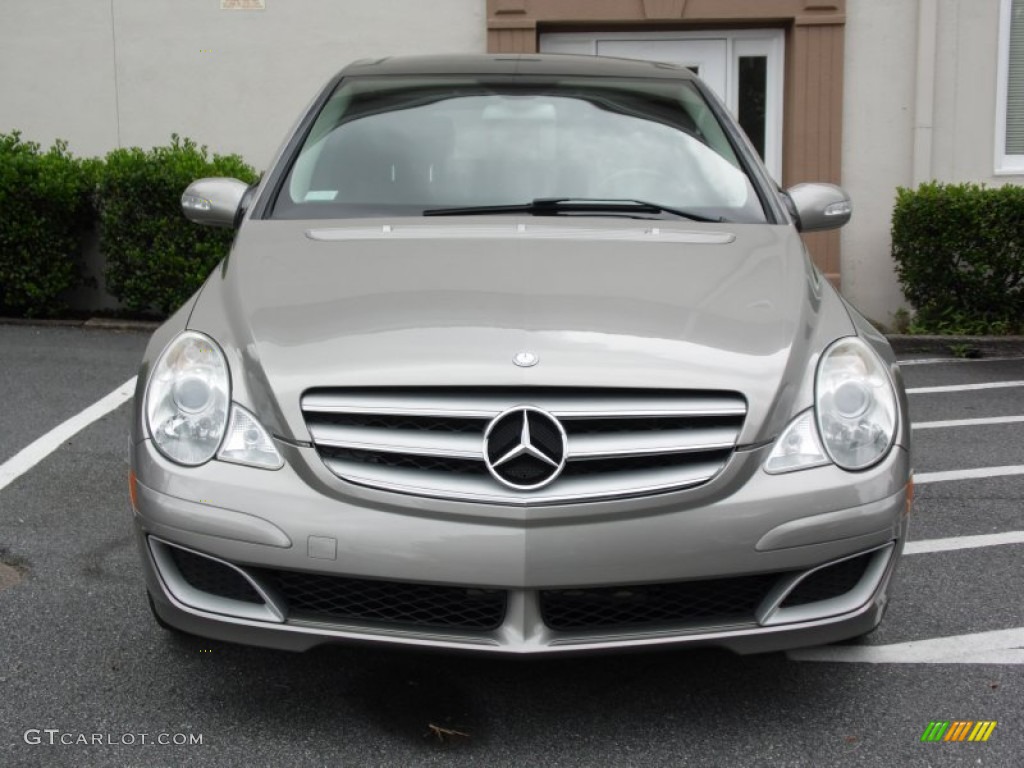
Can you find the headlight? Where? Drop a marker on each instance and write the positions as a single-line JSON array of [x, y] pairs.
[[188, 399], [856, 405], [247, 442], [798, 447]]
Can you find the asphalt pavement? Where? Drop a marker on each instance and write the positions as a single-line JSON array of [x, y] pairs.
[[87, 678]]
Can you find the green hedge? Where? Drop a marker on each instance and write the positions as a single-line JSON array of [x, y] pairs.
[[155, 257], [959, 252], [46, 207]]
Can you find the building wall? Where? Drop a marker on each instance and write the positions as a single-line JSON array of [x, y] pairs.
[[884, 123], [878, 144], [108, 73]]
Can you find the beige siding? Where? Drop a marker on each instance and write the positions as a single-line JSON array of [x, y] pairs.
[[92, 71]]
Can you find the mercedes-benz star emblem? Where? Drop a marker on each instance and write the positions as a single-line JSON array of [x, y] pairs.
[[525, 448], [525, 359]]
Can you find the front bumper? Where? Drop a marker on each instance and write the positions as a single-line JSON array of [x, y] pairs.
[[772, 532]]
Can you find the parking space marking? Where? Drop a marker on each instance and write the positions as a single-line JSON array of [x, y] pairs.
[[968, 422], [1001, 646], [957, 360], [964, 387], [967, 474], [35, 452], [926, 546]]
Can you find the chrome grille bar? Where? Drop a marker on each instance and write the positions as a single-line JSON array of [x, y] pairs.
[[418, 443], [455, 404], [619, 443], [482, 488]]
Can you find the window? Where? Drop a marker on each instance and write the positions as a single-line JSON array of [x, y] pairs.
[[1009, 154], [403, 145], [744, 67]]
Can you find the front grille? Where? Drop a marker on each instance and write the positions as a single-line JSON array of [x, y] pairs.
[[333, 598], [719, 601], [213, 577], [829, 582], [404, 461], [430, 441]]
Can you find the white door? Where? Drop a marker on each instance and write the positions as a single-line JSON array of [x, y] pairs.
[[706, 58], [743, 67]]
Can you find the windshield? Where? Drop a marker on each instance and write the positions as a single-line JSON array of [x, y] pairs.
[[385, 146]]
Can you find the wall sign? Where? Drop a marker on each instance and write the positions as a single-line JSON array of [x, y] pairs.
[[243, 5]]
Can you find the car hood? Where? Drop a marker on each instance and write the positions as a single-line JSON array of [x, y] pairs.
[[450, 302]]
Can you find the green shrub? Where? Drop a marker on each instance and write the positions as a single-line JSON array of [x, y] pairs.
[[959, 252], [155, 257], [46, 200]]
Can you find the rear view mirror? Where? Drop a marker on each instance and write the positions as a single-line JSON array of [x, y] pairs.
[[213, 202], [819, 206]]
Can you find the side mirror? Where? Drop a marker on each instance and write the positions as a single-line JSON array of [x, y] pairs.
[[819, 206], [213, 202]]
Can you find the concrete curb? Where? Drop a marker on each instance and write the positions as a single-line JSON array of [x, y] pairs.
[[958, 346], [42, 322], [113, 324], [97, 323]]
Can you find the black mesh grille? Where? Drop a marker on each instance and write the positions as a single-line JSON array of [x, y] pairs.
[[316, 596], [212, 577], [635, 463], [406, 460], [545, 436], [404, 422], [504, 437], [829, 582], [596, 426], [525, 470], [649, 605]]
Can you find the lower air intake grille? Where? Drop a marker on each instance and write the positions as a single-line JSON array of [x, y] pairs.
[[722, 600], [833, 581], [213, 577], [319, 597]]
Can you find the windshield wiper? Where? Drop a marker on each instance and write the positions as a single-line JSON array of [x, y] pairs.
[[555, 206]]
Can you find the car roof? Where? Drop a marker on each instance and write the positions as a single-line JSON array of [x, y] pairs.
[[517, 64]]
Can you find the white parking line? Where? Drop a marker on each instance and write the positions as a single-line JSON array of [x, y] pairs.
[[967, 474], [964, 387], [968, 422], [926, 546], [948, 360], [28, 457], [1001, 646]]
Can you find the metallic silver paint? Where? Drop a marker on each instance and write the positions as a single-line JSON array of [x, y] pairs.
[[820, 206], [472, 229], [214, 201], [447, 302]]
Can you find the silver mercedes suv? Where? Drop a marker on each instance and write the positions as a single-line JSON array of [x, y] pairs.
[[519, 354]]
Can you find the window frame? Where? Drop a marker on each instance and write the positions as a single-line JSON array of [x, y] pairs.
[[1004, 164]]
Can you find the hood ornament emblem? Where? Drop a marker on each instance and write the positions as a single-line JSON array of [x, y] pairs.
[[525, 359]]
